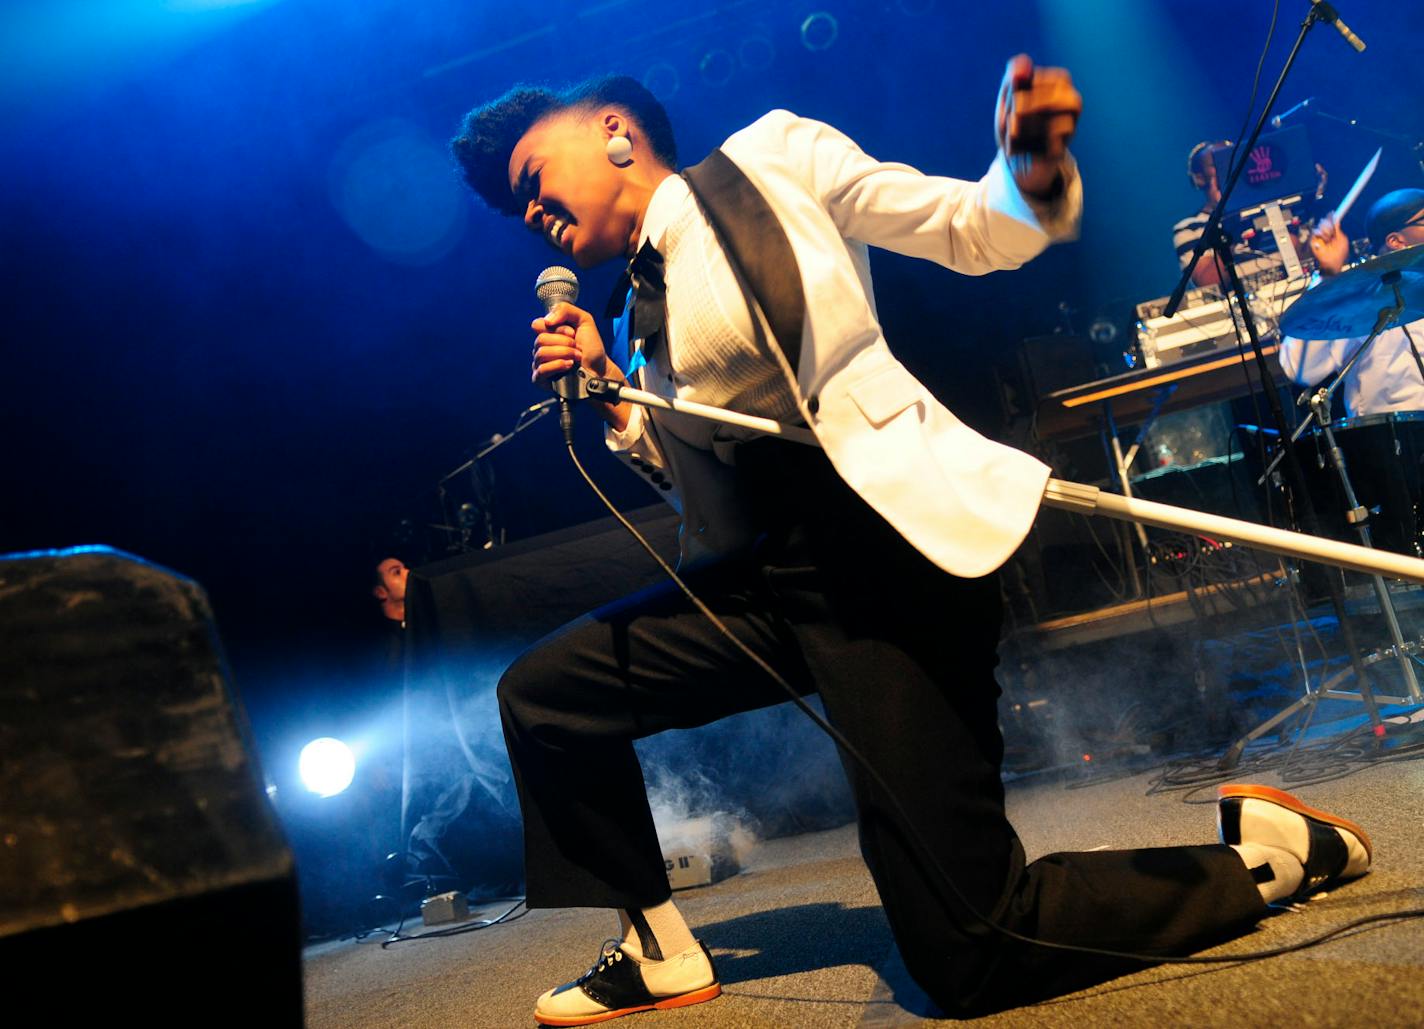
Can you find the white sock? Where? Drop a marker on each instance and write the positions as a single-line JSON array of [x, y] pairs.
[[664, 923], [1277, 872]]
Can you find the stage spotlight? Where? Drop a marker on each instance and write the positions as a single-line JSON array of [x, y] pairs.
[[327, 766], [819, 31]]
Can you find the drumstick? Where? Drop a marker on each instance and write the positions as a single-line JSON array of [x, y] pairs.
[[1358, 187]]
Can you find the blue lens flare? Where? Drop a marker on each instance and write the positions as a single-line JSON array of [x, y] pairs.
[[395, 187]]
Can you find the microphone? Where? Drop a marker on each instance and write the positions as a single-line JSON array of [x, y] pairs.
[[1276, 121], [554, 286], [1328, 13]]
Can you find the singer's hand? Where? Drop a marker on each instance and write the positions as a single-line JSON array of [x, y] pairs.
[[1037, 115], [565, 337], [568, 336], [1330, 246]]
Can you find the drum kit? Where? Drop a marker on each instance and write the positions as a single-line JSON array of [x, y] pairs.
[[1362, 302]]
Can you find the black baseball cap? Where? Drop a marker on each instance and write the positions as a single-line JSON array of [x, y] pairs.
[[1391, 212]]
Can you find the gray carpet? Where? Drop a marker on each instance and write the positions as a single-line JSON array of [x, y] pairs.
[[800, 940]]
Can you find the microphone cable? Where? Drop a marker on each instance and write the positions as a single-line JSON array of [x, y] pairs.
[[908, 823]]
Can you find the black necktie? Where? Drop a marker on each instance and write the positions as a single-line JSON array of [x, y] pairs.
[[644, 277]]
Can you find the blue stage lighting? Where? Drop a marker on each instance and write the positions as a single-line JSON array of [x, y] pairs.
[[327, 766], [185, 6], [46, 44], [394, 186]]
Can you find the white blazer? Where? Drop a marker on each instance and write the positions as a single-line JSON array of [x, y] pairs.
[[964, 501]]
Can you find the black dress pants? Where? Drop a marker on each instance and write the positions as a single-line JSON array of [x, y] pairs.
[[902, 655]]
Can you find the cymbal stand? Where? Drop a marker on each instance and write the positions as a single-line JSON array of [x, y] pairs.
[[1386, 315], [1214, 237], [1403, 652]]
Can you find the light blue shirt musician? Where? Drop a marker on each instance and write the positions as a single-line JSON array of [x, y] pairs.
[[1387, 377]]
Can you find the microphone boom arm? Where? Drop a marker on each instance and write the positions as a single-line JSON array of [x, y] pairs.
[[613, 392], [1080, 498]]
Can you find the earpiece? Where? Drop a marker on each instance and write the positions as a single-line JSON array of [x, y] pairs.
[[620, 150]]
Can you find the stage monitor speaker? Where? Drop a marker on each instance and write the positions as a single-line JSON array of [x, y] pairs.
[[142, 872], [1051, 363]]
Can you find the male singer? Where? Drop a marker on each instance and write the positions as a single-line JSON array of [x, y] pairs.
[[860, 570]]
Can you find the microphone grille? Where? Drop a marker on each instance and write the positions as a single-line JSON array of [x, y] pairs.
[[556, 285]]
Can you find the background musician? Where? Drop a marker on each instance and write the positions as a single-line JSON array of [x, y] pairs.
[[1388, 376], [388, 587], [1202, 169]]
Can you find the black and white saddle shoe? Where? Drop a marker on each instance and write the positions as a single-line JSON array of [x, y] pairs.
[[1330, 848], [622, 983]]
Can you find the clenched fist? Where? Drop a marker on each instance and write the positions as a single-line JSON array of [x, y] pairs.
[[1037, 115]]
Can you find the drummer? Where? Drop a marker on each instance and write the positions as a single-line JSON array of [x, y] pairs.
[[1388, 377]]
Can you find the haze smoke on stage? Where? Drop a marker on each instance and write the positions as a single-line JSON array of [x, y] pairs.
[[686, 813], [1195, 678], [771, 769], [761, 774], [1118, 705]]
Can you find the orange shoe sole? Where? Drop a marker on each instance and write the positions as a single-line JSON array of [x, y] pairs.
[[1291, 803], [681, 1001]]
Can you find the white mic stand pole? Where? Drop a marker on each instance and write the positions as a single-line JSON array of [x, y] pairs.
[[616, 391], [1084, 499]]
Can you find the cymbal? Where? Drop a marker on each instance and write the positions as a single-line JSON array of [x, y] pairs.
[[1348, 304]]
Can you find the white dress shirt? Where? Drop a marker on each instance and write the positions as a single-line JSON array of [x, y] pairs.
[[709, 354], [964, 501], [1386, 378]]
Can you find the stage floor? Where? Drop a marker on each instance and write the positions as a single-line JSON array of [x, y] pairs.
[[800, 940]]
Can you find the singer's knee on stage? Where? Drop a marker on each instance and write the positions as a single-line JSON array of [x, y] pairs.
[[534, 691]]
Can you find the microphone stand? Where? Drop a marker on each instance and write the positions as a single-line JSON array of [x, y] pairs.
[[1083, 499], [1210, 237], [613, 392], [1216, 238], [1416, 146], [498, 440], [526, 418]]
